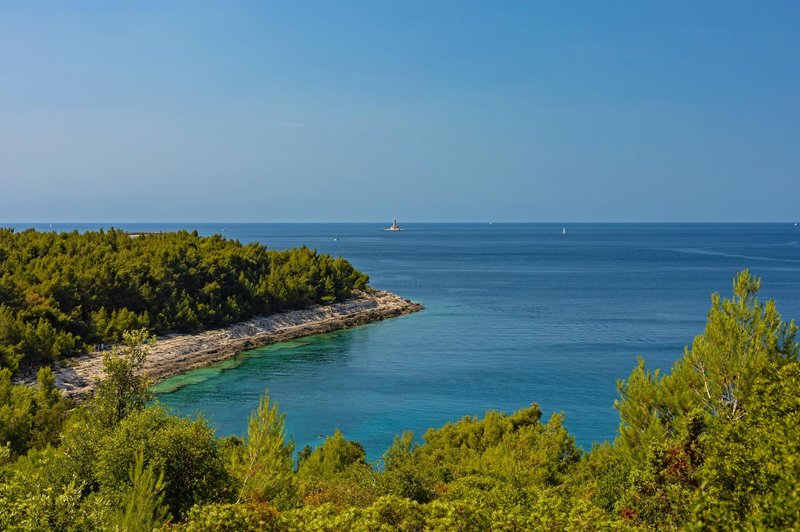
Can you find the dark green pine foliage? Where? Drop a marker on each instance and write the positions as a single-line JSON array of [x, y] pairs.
[[61, 293], [712, 445], [717, 440]]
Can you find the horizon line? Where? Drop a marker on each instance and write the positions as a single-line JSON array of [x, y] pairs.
[[479, 222]]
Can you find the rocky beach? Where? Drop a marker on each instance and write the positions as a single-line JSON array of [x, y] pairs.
[[176, 353]]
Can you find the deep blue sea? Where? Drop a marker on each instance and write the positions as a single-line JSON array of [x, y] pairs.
[[515, 314]]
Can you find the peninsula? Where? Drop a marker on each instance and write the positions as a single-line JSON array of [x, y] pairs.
[[67, 297], [176, 353]]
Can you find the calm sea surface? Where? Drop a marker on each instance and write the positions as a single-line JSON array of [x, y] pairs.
[[515, 314]]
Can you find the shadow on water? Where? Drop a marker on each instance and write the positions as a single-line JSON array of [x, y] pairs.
[[273, 359]]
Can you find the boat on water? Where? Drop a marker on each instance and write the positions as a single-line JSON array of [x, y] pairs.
[[563, 230], [394, 226]]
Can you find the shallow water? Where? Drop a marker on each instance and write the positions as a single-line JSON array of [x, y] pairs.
[[515, 314]]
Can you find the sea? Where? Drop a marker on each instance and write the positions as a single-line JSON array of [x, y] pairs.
[[550, 313]]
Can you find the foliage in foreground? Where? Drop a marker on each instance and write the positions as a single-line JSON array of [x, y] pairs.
[[713, 444], [61, 293]]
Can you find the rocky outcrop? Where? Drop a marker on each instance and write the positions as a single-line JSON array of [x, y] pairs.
[[175, 353]]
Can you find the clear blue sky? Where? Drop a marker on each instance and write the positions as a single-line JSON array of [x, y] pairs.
[[428, 111]]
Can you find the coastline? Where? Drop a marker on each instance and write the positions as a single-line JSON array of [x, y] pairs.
[[177, 353]]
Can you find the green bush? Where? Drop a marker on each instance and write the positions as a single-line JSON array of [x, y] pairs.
[[255, 517], [185, 451]]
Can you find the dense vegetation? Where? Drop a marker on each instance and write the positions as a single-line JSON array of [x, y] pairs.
[[62, 292], [713, 444]]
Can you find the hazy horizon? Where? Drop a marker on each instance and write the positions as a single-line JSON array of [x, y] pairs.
[[108, 224], [447, 112]]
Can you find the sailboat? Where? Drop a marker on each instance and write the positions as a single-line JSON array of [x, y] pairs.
[[394, 226], [563, 230]]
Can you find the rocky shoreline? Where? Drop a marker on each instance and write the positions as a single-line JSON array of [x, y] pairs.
[[176, 353]]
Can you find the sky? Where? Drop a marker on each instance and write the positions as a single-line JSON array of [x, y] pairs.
[[612, 111]]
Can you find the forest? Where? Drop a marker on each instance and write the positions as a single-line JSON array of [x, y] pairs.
[[63, 293], [712, 444]]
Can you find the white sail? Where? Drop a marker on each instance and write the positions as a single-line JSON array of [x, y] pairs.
[[394, 226]]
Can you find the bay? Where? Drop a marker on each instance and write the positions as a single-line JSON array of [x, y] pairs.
[[515, 314]]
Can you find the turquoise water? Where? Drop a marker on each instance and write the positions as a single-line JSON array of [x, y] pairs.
[[514, 314]]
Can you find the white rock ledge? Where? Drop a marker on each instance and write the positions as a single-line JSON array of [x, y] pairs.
[[176, 353]]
